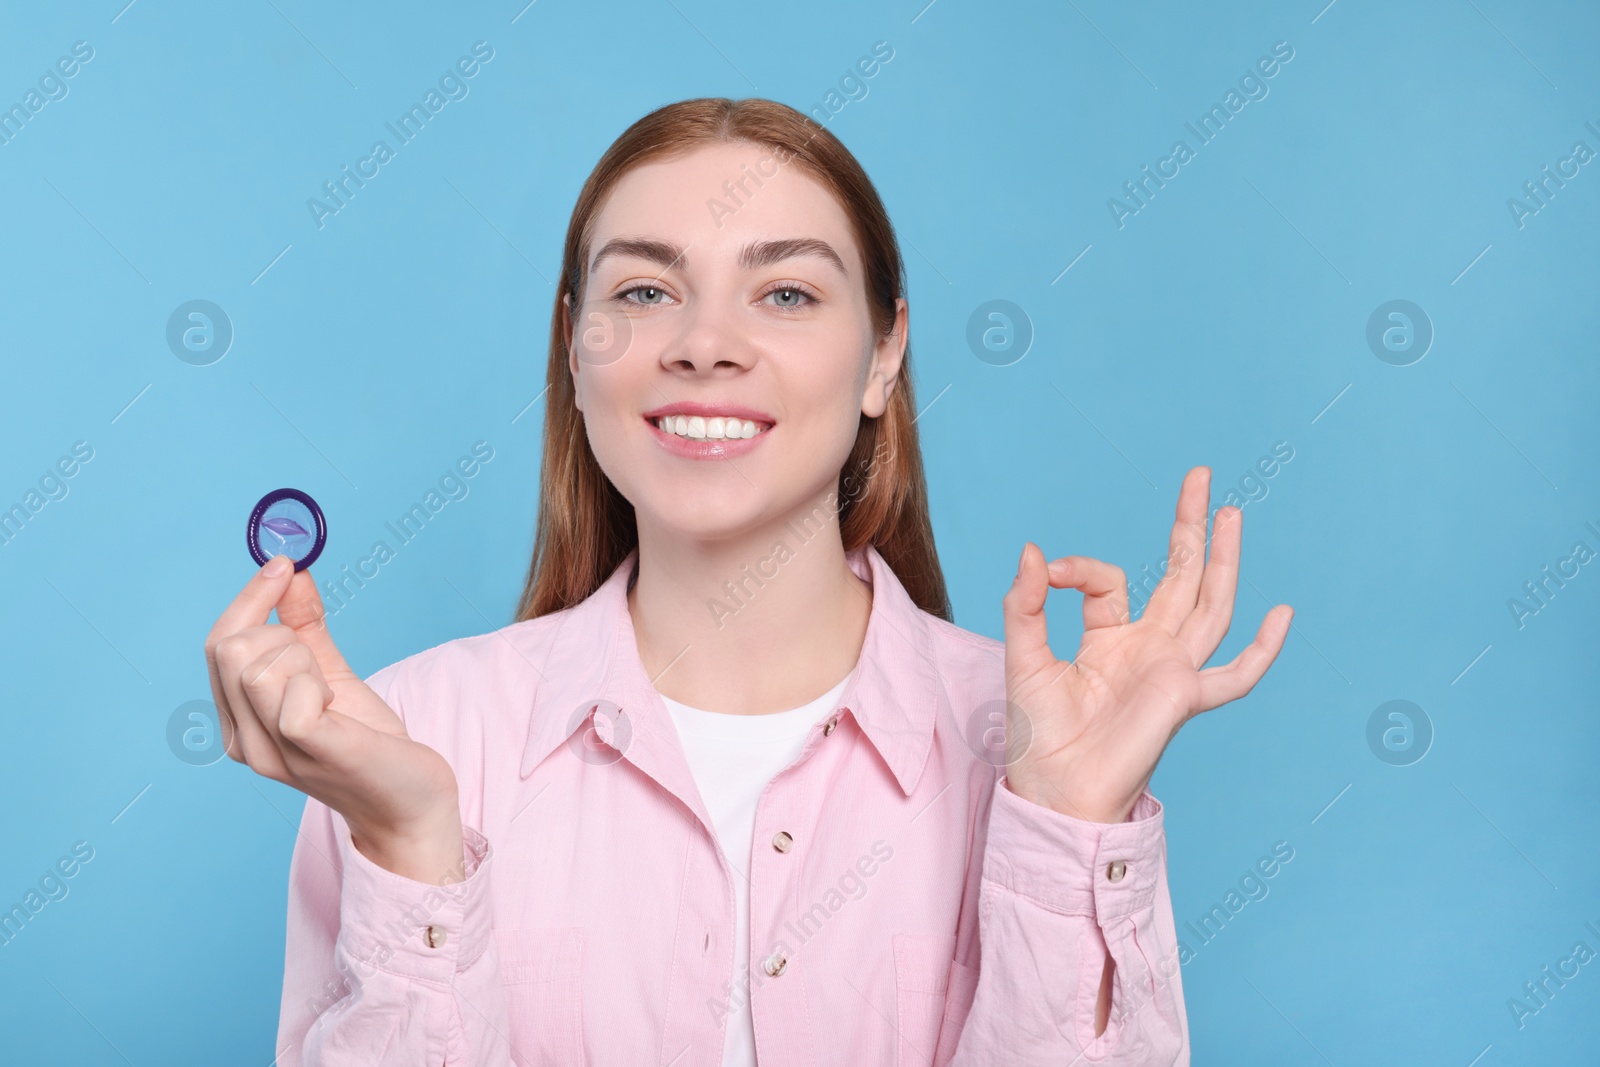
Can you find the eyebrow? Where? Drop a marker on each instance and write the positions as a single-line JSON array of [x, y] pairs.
[[665, 254]]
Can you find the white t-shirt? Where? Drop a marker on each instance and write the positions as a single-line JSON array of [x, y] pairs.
[[733, 757]]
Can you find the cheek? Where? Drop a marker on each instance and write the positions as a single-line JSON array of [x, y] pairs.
[[823, 434], [826, 372], [611, 388], [824, 398], [607, 416]]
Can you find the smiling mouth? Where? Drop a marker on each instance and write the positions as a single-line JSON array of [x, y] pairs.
[[709, 428]]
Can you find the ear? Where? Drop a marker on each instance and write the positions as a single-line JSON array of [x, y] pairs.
[[572, 353], [888, 356]]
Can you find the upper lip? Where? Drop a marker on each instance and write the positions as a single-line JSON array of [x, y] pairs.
[[711, 410]]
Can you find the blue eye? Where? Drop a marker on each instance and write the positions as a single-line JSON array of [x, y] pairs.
[[790, 297], [641, 289], [795, 295]]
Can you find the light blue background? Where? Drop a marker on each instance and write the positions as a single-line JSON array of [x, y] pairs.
[[1229, 314]]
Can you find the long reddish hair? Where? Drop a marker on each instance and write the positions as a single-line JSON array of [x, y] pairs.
[[585, 527]]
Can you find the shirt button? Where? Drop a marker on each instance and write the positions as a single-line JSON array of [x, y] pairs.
[[781, 841], [775, 964], [435, 936], [1116, 870], [828, 727]]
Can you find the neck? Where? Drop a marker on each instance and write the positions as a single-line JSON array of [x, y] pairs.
[[750, 625]]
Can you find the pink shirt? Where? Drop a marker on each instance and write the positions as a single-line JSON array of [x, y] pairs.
[[905, 906]]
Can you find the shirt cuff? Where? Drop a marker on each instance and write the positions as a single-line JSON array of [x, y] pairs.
[[1074, 866], [397, 924]]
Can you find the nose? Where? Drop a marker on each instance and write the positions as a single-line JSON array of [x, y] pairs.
[[711, 339]]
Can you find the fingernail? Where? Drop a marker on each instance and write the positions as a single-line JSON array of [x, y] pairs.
[[1021, 559], [276, 567]]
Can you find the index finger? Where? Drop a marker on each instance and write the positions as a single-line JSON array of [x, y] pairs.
[[253, 605], [250, 608]]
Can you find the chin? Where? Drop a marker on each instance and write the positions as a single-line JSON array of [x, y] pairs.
[[706, 523]]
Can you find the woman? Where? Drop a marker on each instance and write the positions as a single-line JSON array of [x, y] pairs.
[[733, 782]]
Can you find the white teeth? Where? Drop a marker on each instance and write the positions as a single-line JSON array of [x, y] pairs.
[[698, 428]]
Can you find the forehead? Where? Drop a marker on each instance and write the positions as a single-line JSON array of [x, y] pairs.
[[717, 197]]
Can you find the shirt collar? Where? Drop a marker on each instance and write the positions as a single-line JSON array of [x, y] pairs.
[[894, 695]]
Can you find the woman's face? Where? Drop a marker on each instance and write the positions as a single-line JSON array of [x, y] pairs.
[[717, 303]]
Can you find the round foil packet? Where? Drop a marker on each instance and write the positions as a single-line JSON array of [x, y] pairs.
[[286, 522]]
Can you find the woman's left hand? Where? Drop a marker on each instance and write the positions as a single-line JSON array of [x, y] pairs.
[[1084, 737]]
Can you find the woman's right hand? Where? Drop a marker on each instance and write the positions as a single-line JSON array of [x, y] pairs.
[[291, 709]]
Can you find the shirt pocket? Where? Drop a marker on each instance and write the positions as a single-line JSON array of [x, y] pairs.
[[541, 968], [922, 965]]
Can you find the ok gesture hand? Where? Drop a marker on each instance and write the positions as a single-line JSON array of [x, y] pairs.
[[1093, 729]]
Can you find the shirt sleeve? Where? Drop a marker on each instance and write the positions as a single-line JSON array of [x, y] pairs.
[[1056, 893], [381, 970]]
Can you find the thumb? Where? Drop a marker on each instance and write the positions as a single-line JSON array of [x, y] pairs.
[[301, 610], [1027, 647]]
